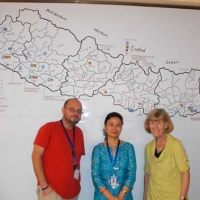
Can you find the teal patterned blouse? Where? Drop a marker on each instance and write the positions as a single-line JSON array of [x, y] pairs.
[[102, 169]]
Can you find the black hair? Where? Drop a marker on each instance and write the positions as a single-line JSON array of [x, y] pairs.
[[109, 116], [113, 114]]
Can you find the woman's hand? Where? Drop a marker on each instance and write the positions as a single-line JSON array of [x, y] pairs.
[[121, 195]]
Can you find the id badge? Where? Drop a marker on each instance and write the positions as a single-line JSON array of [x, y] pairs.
[[76, 173], [113, 181]]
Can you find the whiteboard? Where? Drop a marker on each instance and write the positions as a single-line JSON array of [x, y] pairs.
[[126, 59]]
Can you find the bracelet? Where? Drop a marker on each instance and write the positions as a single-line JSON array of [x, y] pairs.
[[45, 187]]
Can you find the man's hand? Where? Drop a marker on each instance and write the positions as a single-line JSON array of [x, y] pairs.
[[47, 191]]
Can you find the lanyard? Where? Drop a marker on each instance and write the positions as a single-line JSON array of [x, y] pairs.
[[111, 159], [70, 142]]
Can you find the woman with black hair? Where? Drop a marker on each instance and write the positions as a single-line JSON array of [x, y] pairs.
[[113, 163]]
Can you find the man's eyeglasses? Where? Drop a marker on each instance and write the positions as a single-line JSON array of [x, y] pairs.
[[79, 111]]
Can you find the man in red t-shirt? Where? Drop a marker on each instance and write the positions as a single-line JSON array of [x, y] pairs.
[[56, 156]]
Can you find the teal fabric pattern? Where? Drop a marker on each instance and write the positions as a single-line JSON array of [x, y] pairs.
[[102, 169]]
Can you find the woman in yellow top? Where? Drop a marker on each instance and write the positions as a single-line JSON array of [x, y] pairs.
[[167, 175]]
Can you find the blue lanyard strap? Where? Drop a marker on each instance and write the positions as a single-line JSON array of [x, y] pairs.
[[70, 142], [111, 159]]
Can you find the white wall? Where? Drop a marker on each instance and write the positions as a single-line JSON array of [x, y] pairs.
[[166, 34]]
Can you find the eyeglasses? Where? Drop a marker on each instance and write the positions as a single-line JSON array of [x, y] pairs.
[[79, 111], [159, 122]]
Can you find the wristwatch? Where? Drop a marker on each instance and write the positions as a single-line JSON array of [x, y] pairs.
[[183, 198]]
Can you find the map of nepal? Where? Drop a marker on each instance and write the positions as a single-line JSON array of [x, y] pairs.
[[44, 54]]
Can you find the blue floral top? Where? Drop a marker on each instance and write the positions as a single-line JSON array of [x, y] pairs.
[[102, 169]]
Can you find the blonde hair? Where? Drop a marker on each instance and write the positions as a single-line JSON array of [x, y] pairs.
[[159, 113]]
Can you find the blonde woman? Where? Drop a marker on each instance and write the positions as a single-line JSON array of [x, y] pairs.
[[166, 168]]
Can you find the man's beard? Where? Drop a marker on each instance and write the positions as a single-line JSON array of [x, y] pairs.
[[74, 122]]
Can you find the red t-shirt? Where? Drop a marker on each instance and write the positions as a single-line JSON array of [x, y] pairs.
[[57, 158]]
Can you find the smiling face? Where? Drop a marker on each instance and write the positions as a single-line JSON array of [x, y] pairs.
[[72, 112], [157, 127], [113, 127]]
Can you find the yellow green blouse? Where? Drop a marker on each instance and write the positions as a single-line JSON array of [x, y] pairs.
[[165, 171]]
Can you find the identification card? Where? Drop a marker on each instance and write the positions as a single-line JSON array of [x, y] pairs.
[[113, 181], [76, 173]]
